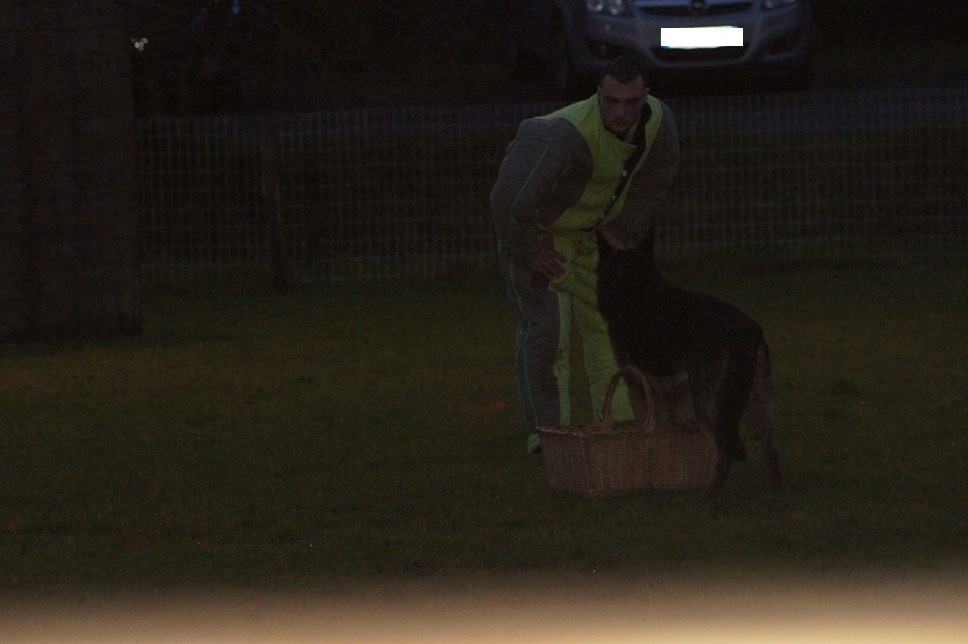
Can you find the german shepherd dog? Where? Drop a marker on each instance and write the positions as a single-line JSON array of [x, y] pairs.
[[669, 333]]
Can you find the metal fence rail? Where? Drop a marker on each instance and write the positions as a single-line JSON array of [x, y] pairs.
[[385, 194]]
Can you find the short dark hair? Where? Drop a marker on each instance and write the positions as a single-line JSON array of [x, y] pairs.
[[624, 69]]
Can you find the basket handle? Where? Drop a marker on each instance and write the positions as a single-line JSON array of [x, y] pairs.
[[633, 372]]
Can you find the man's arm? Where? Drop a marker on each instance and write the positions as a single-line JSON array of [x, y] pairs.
[[540, 177]]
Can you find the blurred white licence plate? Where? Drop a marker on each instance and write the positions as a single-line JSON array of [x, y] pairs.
[[700, 37]]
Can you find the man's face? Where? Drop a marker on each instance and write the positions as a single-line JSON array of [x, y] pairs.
[[621, 103]]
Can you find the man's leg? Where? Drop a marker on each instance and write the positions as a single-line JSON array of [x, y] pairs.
[[541, 352]]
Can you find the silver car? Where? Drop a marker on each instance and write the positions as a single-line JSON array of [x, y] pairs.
[[570, 40]]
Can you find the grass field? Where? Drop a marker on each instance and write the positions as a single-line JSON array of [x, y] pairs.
[[343, 436]]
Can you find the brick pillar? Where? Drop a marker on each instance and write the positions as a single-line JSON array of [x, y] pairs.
[[68, 223]]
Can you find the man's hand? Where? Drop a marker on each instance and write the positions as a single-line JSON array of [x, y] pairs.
[[548, 263]]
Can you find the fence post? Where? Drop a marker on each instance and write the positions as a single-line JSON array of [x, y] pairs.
[[272, 210]]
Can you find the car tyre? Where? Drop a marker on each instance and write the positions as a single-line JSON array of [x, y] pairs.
[[565, 82]]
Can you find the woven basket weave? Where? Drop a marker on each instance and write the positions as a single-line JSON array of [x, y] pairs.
[[612, 457]]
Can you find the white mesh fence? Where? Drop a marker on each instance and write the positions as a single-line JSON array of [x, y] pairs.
[[384, 194], [833, 175]]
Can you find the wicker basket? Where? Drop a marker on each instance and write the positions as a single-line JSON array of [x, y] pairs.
[[614, 457]]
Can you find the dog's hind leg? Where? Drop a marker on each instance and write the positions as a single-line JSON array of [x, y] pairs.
[[761, 413], [731, 399]]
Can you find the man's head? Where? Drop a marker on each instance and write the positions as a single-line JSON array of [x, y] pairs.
[[621, 94]]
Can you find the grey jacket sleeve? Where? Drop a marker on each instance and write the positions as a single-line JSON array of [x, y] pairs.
[[649, 184], [539, 179]]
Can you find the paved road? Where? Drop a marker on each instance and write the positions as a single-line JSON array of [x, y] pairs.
[[823, 110], [820, 110]]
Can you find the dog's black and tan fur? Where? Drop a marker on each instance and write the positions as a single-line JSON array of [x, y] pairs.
[[667, 332]]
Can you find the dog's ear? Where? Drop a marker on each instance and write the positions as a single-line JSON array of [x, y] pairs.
[[647, 245]]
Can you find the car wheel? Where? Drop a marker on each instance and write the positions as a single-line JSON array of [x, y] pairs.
[[565, 82], [800, 77]]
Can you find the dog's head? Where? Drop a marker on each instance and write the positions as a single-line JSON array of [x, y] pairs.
[[625, 274]]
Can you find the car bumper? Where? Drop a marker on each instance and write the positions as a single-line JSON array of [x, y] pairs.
[[771, 39]]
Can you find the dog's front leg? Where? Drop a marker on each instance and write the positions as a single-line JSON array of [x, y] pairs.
[[678, 401], [722, 473], [706, 421], [703, 384]]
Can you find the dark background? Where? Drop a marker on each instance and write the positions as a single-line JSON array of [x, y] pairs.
[[221, 56]]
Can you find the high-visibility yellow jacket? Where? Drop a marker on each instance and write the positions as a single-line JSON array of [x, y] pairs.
[[560, 172]]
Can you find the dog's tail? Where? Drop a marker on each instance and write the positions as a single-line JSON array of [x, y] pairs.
[[761, 412]]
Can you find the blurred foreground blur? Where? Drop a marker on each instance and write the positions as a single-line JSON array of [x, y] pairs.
[[854, 608]]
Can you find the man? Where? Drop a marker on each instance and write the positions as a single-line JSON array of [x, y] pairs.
[[561, 183]]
